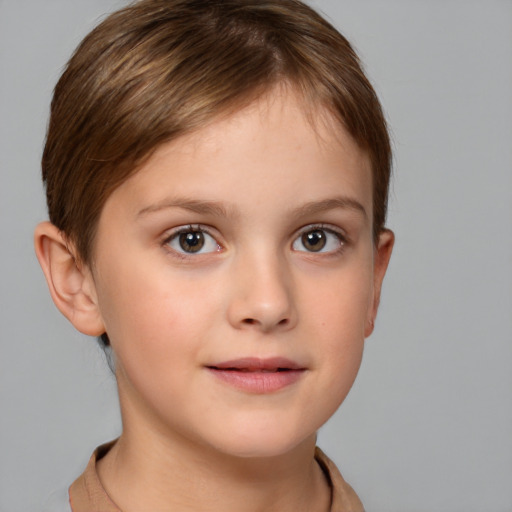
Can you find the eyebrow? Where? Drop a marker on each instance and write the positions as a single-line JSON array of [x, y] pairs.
[[345, 203], [194, 205], [215, 208]]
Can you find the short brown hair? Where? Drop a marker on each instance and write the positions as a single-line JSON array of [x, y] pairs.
[[158, 69]]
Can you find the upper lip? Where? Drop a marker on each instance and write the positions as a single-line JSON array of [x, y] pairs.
[[256, 364]]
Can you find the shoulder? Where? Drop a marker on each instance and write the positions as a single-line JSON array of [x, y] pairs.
[[344, 498], [86, 492]]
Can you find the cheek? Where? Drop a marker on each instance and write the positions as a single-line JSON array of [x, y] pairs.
[[338, 316], [154, 319], [157, 334], [141, 295], [341, 302]]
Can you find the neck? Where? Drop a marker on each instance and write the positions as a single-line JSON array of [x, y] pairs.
[[163, 475]]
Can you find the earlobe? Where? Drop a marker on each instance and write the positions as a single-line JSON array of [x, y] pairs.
[[71, 285], [381, 260]]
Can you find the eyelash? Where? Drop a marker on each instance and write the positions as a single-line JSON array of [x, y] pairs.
[[341, 239], [198, 228], [191, 228]]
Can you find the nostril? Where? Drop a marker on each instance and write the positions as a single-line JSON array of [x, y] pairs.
[[252, 321]]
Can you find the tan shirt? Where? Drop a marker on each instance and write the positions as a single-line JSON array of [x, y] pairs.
[[86, 494]]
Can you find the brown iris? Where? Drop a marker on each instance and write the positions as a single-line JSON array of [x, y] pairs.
[[191, 241], [314, 241]]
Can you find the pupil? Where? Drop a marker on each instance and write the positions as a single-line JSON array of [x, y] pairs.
[[192, 241], [314, 240]]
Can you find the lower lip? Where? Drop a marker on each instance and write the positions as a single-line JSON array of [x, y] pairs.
[[256, 381]]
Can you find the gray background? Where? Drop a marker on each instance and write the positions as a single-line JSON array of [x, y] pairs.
[[428, 424]]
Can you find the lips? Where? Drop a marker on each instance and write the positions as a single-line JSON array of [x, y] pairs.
[[256, 375]]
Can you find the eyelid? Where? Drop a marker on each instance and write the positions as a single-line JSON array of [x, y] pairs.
[[172, 234], [328, 228]]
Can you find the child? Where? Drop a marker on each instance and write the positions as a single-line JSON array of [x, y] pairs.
[[216, 177]]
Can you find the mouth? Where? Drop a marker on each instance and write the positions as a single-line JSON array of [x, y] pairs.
[[258, 376]]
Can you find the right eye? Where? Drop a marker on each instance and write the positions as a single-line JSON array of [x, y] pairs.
[[192, 240], [319, 239]]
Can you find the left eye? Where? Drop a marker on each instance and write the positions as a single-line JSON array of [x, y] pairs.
[[192, 241], [318, 240]]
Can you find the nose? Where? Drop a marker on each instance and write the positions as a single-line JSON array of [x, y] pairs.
[[262, 295]]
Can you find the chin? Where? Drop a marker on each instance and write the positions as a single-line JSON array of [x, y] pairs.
[[266, 442], [255, 450]]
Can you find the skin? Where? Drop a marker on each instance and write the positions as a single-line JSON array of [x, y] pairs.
[[255, 182]]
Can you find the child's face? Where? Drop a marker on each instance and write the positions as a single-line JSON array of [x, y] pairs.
[[245, 244]]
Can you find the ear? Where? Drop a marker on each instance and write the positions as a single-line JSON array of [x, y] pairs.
[[71, 284], [380, 265]]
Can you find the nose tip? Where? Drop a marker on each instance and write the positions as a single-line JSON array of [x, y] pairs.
[[263, 299]]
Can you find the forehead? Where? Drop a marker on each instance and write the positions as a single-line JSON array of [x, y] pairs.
[[263, 152]]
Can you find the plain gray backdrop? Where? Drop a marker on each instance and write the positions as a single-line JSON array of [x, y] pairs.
[[428, 424]]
